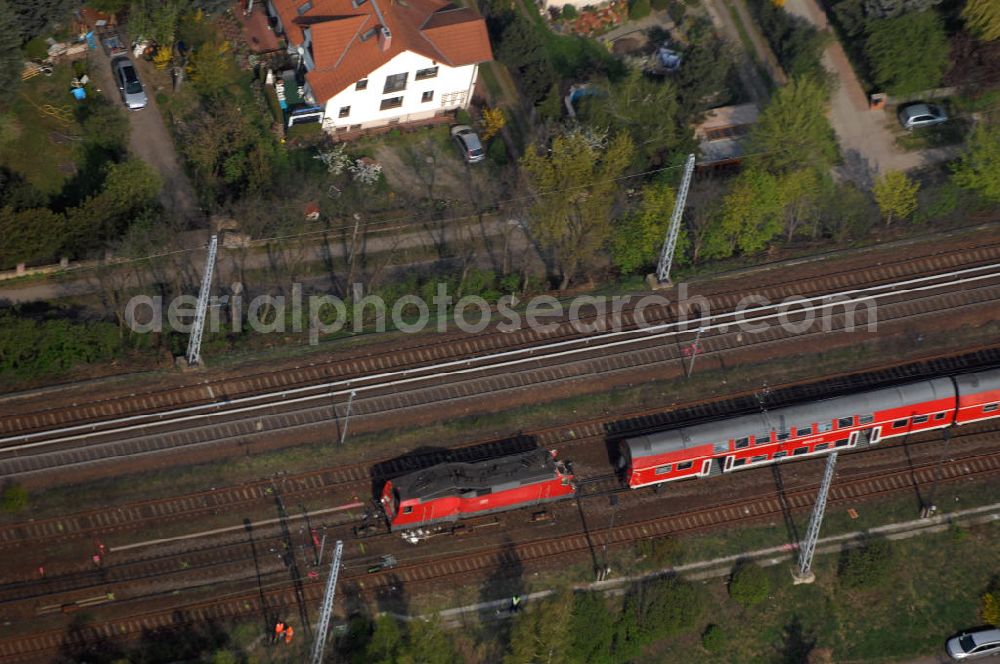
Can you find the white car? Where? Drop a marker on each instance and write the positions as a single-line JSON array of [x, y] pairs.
[[975, 644]]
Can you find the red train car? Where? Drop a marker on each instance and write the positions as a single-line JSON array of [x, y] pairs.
[[978, 396], [452, 491], [807, 429]]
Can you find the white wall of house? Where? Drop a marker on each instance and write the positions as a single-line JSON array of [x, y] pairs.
[[449, 90]]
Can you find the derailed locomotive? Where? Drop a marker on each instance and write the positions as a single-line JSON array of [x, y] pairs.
[[448, 492]]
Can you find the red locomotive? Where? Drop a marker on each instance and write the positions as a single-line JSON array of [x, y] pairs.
[[807, 429], [451, 491]]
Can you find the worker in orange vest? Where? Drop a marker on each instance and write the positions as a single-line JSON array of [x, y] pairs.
[[279, 629], [289, 633]]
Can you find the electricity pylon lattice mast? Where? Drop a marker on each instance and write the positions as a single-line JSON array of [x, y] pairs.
[[194, 343], [670, 242], [808, 546], [326, 610]]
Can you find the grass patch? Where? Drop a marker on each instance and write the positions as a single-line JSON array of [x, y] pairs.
[[36, 131], [490, 79]]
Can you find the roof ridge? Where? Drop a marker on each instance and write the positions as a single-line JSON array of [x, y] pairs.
[[353, 38]]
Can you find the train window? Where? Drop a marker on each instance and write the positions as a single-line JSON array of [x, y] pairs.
[[742, 442], [939, 416], [780, 455], [841, 443], [804, 431], [758, 459], [408, 509], [821, 447], [720, 448], [824, 427], [899, 424], [663, 470], [920, 419], [684, 465], [799, 450], [783, 436], [762, 438], [866, 419], [845, 422], [990, 407], [738, 462]]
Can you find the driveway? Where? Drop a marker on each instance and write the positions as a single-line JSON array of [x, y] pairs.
[[866, 142], [150, 141]]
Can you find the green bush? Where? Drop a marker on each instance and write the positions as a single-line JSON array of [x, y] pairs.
[[569, 12], [867, 565], [656, 610], [36, 49], [638, 9], [14, 499], [463, 117], [161, 98], [677, 11], [713, 639], [749, 585], [497, 150]]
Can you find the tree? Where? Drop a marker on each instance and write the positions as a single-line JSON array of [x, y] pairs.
[[31, 236], [522, 49], [638, 238], [751, 216], [427, 644], [896, 195], [983, 18], [574, 191], [799, 191], [212, 69], [638, 9], [702, 77], [493, 121], [644, 107], [979, 167], [540, 634], [793, 132], [386, 641], [909, 53], [591, 630], [569, 12], [11, 61], [866, 566], [36, 16]]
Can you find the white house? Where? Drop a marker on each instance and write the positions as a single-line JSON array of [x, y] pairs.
[[371, 63]]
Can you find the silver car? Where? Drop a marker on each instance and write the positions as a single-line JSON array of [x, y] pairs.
[[128, 84], [975, 644], [917, 115], [468, 143]]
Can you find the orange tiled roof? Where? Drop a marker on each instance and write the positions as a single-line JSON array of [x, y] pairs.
[[345, 51]]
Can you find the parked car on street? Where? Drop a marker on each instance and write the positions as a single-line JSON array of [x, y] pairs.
[[128, 83], [468, 143], [913, 116], [974, 644]]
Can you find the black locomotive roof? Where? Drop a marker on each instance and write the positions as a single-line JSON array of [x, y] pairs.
[[482, 477]]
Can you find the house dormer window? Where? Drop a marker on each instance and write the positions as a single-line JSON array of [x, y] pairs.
[[395, 83], [423, 74], [361, 85], [304, 7]]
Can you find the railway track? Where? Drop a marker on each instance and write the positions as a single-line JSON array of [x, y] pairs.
[[356, 478], [252, 602], [610, 356], [420, 351]]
